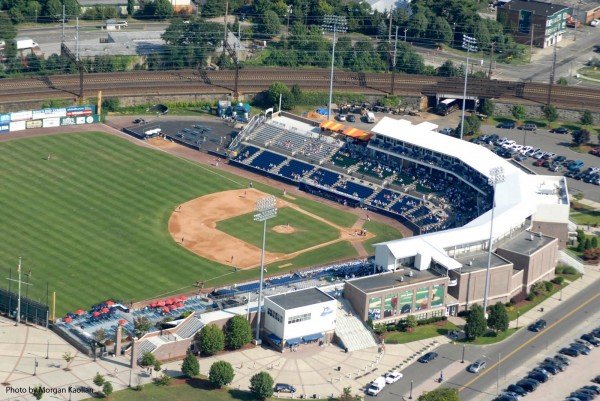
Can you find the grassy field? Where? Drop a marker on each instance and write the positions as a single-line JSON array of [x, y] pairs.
[[308, 231], [382, 233], [584, 215], [92, 221]]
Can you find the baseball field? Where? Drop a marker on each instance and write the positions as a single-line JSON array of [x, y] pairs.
[[98, 217]]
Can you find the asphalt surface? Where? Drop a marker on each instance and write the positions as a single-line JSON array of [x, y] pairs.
[[521, 349]]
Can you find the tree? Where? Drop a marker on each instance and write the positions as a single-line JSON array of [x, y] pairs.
[[107, 389], [7, 30], [441, 31], [562, 81], [190, 366], [487, 107], [130, 7], [269, 25], [550, 112], [276, 89], [519, 113], [580, 137], [221, 374], [213, 8], [38, 392], [347, 395], [157, 366], [476, 324], [261, 385], [141, 325], [211, 340], [297, 94], [448, 69], [587, 118], [98, 379], [237, 332], [148, 359], [594, 241], [410, 322], [68, 357], [440, 394], [163, 9], [498, 318], [474, 124]]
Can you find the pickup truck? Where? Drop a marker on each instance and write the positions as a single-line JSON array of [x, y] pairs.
[[376, 386]]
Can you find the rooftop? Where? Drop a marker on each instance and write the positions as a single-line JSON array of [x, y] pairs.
[[537, 7], [526, 242], [384, 281], [475, 261], [297, 299], [583, 5]]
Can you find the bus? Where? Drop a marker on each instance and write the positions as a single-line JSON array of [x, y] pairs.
[[446, 107]]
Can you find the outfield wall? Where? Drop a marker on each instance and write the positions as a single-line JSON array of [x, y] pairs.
[[48, 118]]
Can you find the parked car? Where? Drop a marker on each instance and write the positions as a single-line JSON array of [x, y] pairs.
[[521, 158], [284, 388], [393, 377], [556, 167], [428, 357], [529, 127], [505, 397], [569, 351], [351, 118], [528, 385], [341, 117], [538, 162], [561, 130], [560, 159], [563, 359], [447, 131], [532, 152], [538, 326], [555, 362], [581, 396], [554, 370], [539, 376], [593, 388], [513, 388], [507, 125], [576, 165], [591, 339], [477, 366], [582, 349]]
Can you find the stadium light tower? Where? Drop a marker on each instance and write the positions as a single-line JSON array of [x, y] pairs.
[[335, 24], [469, 44], [495, 178], [266, 208]]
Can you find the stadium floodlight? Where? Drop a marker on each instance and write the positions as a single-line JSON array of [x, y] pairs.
[[333, 23], [495, 178], [469, 43], [266, 209]]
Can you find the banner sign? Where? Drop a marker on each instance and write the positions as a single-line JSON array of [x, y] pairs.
[[4, 127], [51, 122], [20, 115], [80, 111], [33, 124], [4, 118], [80, 120], [17, 126], [49, 113]]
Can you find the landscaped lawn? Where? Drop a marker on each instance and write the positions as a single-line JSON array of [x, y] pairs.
[[584, 215], [420, 333], [308, 232], [491, 338]]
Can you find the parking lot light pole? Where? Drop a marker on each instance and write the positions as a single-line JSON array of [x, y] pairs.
[[335, 24], [518, 314], [496, 177], [463, 354], [48, 349], [411, 387], [266, 209], [468, 43]]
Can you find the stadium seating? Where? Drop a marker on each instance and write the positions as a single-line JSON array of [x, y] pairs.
[[267, 160], [325, 177], [295, 169], [246, 153], [354, 189]]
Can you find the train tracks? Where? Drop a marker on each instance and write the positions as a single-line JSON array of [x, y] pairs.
[[253, 80]]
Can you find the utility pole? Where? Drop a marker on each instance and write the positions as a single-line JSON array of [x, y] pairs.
[[394, 62], [63, 26], [77, 59], [225, 31], [287, 32], [552, 72], [576, 20], [531, 41], [491, 60]]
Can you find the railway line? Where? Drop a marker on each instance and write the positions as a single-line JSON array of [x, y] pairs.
[[253, 80]]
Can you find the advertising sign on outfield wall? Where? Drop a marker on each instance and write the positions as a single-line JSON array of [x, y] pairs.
[[79, 120], [33, 124], [4, 127], [81, 111], [20, 115], [4, 118], [17, 126], [51, 122], [49, 113]]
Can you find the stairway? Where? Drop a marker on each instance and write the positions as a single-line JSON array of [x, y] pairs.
[[350, 330]]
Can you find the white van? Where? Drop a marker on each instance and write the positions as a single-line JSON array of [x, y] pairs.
[[370, 117], [376, 386]]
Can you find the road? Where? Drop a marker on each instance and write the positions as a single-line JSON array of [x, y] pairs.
[[520, 349]]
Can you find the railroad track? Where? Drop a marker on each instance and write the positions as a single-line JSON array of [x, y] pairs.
[[253, 80]]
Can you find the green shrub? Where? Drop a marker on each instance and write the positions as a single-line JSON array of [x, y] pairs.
[[548, 286], [164, 380], [558, 280], [379, 329], [559, 270], [569, 270], [531, 296]]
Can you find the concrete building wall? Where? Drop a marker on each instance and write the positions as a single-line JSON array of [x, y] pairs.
[[357, 299], [560, 231], [471, 285]]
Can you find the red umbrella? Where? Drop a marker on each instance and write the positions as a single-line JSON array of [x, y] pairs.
[[104, 310], [80, 311], [175, 300], [182, 298], [67, 320], [166, 309], [153, 305], [173, 307], [160, 303], [122, 322], [169, 301], [96, 314], [179, 305], [110, 303]]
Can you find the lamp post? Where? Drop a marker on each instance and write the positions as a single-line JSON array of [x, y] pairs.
[[468, 43], [463, 355], [496, 177], [518, 314], [48, 349], [411, 386], [333, 23], [266, 208], [35, 365]]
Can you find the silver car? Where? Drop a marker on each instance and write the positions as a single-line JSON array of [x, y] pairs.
[[477, 366]]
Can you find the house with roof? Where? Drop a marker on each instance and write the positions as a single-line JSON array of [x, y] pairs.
[[537, 22]]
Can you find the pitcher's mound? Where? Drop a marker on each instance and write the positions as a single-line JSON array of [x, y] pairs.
[[284, 229]]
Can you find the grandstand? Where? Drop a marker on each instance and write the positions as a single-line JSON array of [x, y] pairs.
[[353, 172]]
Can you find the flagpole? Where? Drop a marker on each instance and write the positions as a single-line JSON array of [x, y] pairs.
[[19, 295]]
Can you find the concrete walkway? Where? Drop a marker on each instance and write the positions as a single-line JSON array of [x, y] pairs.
[[312, 371]]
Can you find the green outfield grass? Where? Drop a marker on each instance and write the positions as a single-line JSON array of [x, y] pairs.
[[308, 232], [92, 221], [382, 233]]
